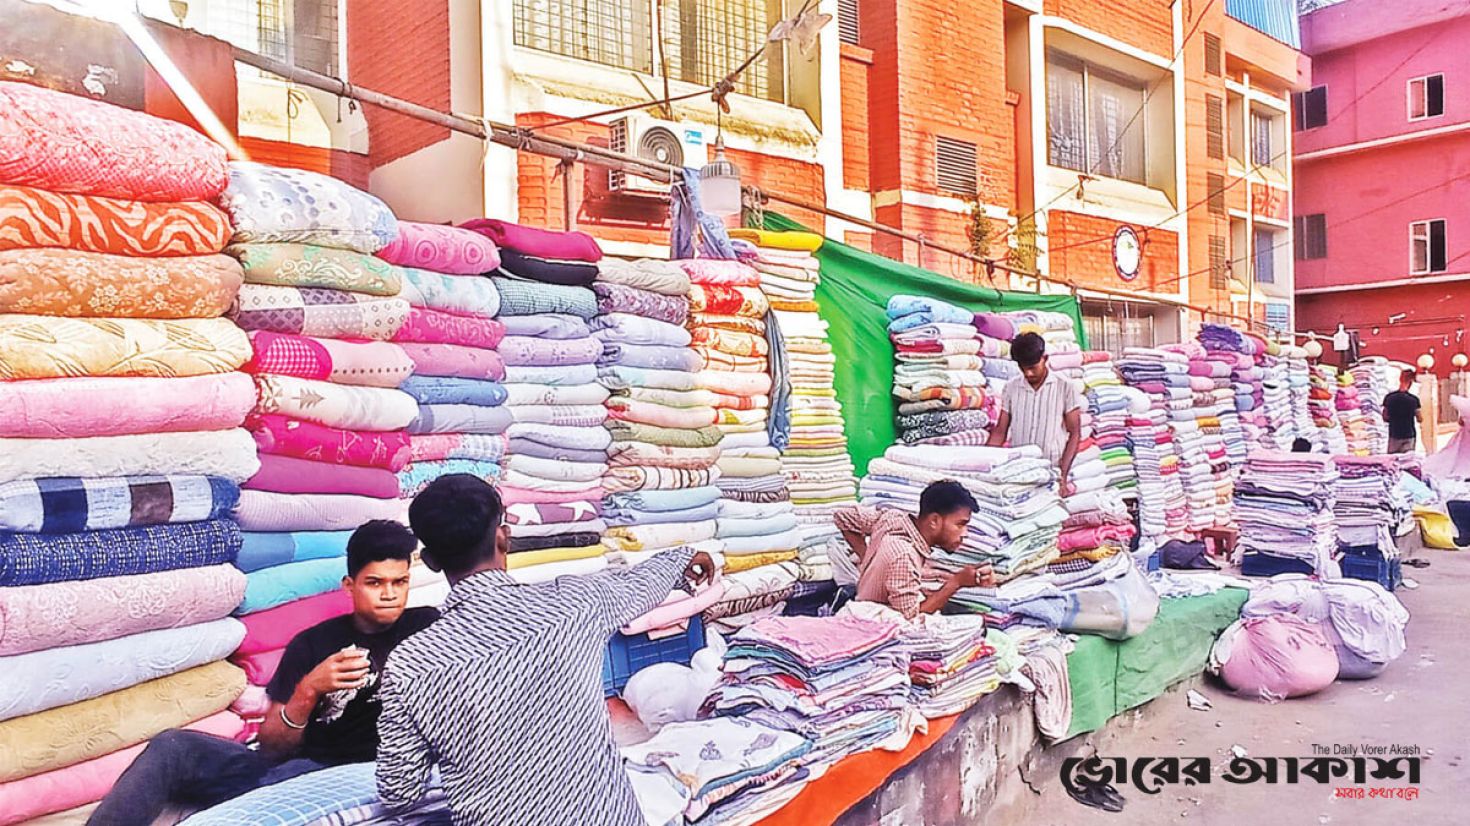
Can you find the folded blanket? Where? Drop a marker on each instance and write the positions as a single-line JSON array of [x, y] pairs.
[[571, 246], [650, 357], [635, 478], [727, 300], [623, 454], [568, 539], [779, 523], [626, 431], [42, 347], [461, 418], [442, 248], [541, 394], [273, 628], [462, 295], [548, 556], [621, 379], [762, 544], [287, 474], [717, 271], [554, 376], [685, 398], [616, 298], [735, 323], [269, 204], [315, 312], [433, 326], [519, 297], [796, 241], [691, 418], [67, 143], [266, 511], [70, 504], [582, 438], [227, 454], [556, 470], [280, 584], [520, 351], [37, 218], [259, 667], [53, 282], [547, 270], [284, 436], [268, 550], [436, 446], [34, 559], [573, 415], [335, 405], [308, 265], [417, 476], [453, 361], [730, 341], [735, 384], [625, 328], [71, 408], [52, 615], [56, 677], [549, 325], [664, 500], [649, 537], [443, 390], [636, 516], [663, 277], [365, 363], [81, 731]]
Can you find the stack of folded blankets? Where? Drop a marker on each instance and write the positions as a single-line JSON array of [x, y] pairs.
[[731, 329], [1105, 422], [1015, 530], [1299, 379], [554, 413], [1371, 504], [1243, 423], [1098, 528], [952, 662], [1163, 377], [1322, 404], [329, 421], [1277, 400], [942, 372], [1283, 507], [1357, 431], [815, 461], [841, 682], [1200, 433], [121, 447], [1370, 377], [660, 488]]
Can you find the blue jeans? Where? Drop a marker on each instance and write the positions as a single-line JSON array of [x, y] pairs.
[[192, 769]]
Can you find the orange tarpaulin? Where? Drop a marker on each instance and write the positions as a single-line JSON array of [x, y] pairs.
[[854, 778]]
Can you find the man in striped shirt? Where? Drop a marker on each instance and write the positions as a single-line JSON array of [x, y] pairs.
[[504, 691], [1040, 408]]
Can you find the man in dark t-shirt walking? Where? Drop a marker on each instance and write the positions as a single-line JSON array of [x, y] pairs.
[[1402, 412], [324, 704]]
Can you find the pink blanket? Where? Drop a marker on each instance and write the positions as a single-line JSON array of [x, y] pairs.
[[64, 143], [676, 611], [79, 407], [271, 629], [284, 474], [432, 326], [89, 781], [282, 436], [260, 666], [453, 361], [362, 363], [261, 510], [542, 243], [35, 617], [440, 248], [714, 271]]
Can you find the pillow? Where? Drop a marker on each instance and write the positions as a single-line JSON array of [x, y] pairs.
[[309, 265], [66, 143], [441, 248], [43, 347], [268, 203], [91, 223], [312, 311], [89, 284]]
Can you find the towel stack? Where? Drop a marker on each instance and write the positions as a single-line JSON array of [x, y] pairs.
[[943, 369], [756, 525], [1097, 529], [1242, 423], [557, 446], [1370, 377], [1057, 329], [1283, 506], [121, 448], [1356, 431], [1163, 377], [818, 470], [1105, 421], [1322, 404]]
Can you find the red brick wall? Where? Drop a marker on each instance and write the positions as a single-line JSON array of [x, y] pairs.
[[400, 49], [347, 166], [1146, 24], [1088, 257], [855, 145]]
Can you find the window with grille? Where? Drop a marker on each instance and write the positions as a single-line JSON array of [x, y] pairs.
[[1094, 120], [1263, 152], [1215, 191], [1265, 255], [1310, 241], [1214, 63], [1278, 315], [299, 32], [1427, 247], [1113, 329], [1309, 108], [270, 29], [1219, 264], [1215, 127], [1426, 97], [955, 163], [848, 30], [716, 36], [616, 33]]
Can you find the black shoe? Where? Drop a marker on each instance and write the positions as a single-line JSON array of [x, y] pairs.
[[1098, 796]]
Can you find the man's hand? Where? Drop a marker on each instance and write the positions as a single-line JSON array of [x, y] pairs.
[[973, 576], [342, 671], [701, 570], [1066, 488]]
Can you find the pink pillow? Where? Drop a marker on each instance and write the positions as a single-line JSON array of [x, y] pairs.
[[441, 248]]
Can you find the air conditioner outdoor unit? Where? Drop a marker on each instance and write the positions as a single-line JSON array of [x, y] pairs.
[[647, 137]]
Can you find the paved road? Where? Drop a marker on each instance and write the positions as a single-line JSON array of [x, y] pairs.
[[1423, 699]]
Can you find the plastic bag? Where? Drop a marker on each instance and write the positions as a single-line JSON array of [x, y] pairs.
[[1118, 609], [1364, 623], [1275, 657], [666, 693], [1436, 528]]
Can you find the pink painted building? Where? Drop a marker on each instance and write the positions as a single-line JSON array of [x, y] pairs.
[[1382, 176]]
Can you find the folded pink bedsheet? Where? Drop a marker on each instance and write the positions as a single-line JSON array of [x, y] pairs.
[[432, 326], [107, 406], [285, 474], [260, 666], [453, 361], [261, 510], [361, 363], [284, 436]]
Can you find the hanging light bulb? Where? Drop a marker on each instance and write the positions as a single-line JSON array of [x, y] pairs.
[[1460, 360], [720, 182]]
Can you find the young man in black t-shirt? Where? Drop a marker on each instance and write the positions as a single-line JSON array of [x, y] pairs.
[[1401, 411], [324, 705]]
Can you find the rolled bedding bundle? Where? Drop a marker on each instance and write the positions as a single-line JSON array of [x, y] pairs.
[[226, 454], [357, 363], [273, 204], [68, 283], [36, 559], [45, 347], [70, 408]]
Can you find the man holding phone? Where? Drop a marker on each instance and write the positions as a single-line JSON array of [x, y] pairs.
[[324, 704]]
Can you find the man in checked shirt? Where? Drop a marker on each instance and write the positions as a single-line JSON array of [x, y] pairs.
[[504, 691]]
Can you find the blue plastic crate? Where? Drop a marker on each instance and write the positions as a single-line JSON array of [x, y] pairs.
[[1267, 565], [1385, 572], [629, 654]]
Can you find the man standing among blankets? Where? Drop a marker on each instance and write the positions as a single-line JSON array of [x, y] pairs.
[[1402, 412], [504, 692], [893, 548], [1040, 408], [324, 704]]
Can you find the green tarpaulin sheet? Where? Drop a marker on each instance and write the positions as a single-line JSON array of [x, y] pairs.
[[853, 297], [1110, 677]]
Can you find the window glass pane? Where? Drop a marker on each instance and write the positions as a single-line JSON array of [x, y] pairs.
[[1261, 154], [1265, 256], [1065, 111], [1416, 98], [1434, 95], [1115, 129], [1418, 248], [611, 32], [1437, 261], [715, 36]]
